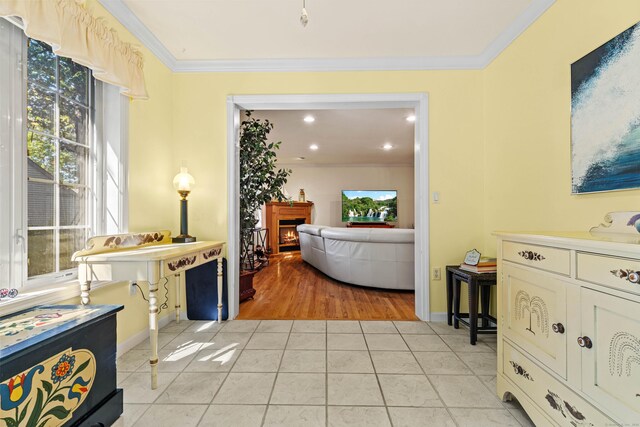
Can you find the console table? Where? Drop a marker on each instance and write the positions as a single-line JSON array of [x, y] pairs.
[[144, 257]]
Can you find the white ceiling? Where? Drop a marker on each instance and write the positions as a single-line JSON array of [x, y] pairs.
[[249, 35], [342, 136]]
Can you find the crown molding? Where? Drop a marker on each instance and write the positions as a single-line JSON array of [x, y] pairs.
[[332, 64], [470, 62], [130, 21], [513, 31]]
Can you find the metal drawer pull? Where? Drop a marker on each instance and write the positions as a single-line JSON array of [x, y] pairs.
[[558, 328], [628, 275], [531, 256], [585, 342]]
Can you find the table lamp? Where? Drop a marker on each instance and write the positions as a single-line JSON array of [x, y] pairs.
[[183, 183]]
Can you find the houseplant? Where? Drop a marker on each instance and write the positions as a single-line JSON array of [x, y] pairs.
[[260, 182]]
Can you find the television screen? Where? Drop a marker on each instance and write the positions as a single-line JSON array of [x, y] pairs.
[[369, 206]]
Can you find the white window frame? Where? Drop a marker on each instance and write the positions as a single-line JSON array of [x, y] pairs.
[[92, 180], [107, 173]]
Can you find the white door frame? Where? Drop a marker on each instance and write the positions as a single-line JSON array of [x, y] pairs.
[[418, 101]]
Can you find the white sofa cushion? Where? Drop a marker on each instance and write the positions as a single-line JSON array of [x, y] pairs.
[[312, 245], [310, 229], [382, 258], [378, 235]]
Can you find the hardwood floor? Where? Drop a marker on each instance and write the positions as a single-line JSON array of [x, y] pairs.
[[289, 288]]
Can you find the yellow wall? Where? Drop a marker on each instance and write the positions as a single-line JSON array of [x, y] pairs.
[[455, 145], [498, 140], [152, 200], [527, 94]]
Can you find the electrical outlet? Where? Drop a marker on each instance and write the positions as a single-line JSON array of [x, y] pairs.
[[132, 288], [436, 274]]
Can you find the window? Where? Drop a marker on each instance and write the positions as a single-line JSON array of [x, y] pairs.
[[63, 161], [59, 110]]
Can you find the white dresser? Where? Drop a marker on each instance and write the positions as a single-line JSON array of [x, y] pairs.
[[569, 323]]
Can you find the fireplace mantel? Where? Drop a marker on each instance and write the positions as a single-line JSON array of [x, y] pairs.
[[288, 212]]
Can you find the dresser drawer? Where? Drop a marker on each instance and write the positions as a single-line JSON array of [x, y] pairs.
[[535, 315], [558, 401], [618, 273], [542, 257]]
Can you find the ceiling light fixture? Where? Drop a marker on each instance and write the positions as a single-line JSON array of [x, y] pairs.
[[299, 158], [313, 147], [387, 146], [309, 119], [304, 17], [411, 118]]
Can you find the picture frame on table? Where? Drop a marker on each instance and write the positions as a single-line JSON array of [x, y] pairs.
[[472, 257]]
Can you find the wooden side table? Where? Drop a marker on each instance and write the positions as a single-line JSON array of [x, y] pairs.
[[478, 283], [351, 224]]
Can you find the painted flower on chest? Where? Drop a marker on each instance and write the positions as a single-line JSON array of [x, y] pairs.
[[18, 389], [63, 368], [78, 388]]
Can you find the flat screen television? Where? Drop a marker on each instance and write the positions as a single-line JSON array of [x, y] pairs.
[[369, 205]]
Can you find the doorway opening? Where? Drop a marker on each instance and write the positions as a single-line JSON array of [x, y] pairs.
[[415, 102]]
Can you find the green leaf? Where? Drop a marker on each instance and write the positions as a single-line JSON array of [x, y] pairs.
[[47, 387], [81, 368], [57, 397], [60, 412], [23, 413], [37, 410], [10, 422]]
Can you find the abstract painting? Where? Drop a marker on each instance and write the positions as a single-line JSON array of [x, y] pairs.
[[605, 116]]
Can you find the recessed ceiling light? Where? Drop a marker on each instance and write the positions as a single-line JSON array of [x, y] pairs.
[[411, 118], [313, 147], [309, 119], [387, 146]]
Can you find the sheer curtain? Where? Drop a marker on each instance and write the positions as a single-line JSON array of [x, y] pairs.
[[74, 33]]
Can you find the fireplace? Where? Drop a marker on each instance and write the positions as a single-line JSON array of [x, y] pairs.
[[282, 218], [288, 239]]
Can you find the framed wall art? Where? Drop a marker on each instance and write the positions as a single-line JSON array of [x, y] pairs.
[[605, 116]]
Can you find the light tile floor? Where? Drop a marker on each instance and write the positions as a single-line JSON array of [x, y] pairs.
[[247, 373]]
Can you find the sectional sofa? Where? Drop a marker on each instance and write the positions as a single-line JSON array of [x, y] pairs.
[[375, 257]]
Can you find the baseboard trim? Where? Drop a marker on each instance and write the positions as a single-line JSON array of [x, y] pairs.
[[438, 317], [133, 341]]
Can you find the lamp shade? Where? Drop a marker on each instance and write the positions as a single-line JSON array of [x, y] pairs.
[[183, 181]]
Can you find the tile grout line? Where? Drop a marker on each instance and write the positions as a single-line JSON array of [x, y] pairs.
[[275, 380], [168, 385], [375, 372], [326, 374], [231, 367], [446, 407], [326, 363], [503, 407], [223, 381]]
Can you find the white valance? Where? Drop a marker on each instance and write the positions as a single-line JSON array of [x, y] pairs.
[[74, 33]]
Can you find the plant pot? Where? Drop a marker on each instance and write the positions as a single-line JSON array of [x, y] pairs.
[[246, 284]]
